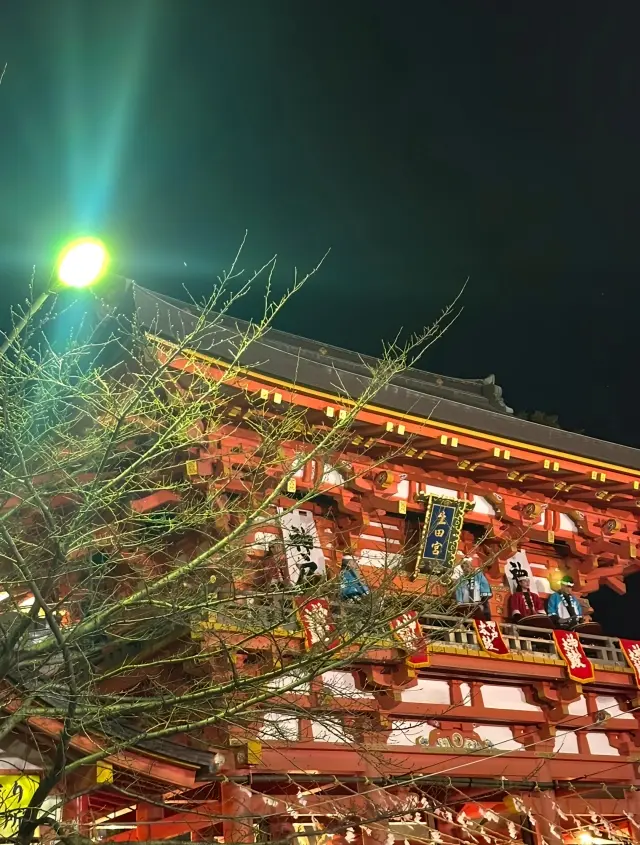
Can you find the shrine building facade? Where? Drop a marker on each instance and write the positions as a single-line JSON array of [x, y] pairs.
[[502, 712]]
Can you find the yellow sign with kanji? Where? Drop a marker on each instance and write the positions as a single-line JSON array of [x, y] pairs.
[[16, 792]]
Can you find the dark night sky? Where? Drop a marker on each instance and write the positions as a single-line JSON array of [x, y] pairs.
[[423, 142]]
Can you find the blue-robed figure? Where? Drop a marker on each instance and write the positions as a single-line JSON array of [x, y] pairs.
[[351, 585], [472, 587], [564, 607]]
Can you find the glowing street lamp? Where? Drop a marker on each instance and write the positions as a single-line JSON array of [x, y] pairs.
[[81, 263]]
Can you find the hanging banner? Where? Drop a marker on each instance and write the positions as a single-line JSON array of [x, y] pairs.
[[490, 637], [408, 631], [631, 650], [302, 544], [315, 619], [517, 566], [569, 647], [443, 521], [16, 792]]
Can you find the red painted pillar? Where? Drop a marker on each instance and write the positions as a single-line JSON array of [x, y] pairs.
[[146, 813], [77, 811], [237, 823]]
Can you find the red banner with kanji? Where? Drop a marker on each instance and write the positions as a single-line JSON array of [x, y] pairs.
[[631, 650], [490, 637], [315, 618], [569, 647], [407, 630]]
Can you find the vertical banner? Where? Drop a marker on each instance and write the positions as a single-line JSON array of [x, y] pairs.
[[301, 543], [407, 630], [443, 519], [315, 619], [490, 637], [517, 564], [631, 651], [569, 647], [16, 792]]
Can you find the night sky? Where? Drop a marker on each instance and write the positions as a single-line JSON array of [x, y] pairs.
[[424, 142]]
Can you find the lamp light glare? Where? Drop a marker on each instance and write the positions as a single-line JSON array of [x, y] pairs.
[[585, 838], [82, 263]]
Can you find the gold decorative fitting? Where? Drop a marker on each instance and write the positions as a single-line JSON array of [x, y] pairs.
[[329, 411], [389, 426], [513, 475], [443, 439], [291, 485], [402, 507], [559, 485], [422, 453], [192, 468], [277, 398], [636, 485], [463, 464], [401, 428], [342, 414], [496, 452], [357, 440], [506, 455], [598, 476], [551, 537], [602, 494], [454, 442], [611, 526], [264, 394], [411, 452], [384, 479]]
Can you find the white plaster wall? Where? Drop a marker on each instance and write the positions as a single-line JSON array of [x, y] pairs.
[[279, 728], [406, 733], [608, 703], [328, 731], [506, 698], [284, 680], [566, 742], [578, 707], [567, 524], [465, 691], [481, 505], [343, 684], [441, 491], [599, 744], [500, 736], [9, 763], [428, 692], [332, 476]]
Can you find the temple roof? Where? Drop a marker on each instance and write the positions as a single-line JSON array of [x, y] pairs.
[[475, 405]]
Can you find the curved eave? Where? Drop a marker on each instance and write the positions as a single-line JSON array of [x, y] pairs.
[[296, 369]]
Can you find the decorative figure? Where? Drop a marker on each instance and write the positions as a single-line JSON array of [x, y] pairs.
[[563, 607], [473, 587], [352, 588], [524, 602]]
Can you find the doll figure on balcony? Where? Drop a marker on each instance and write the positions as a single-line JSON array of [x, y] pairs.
[[352, 587], [524, 602], [472, 587], [563, 607]]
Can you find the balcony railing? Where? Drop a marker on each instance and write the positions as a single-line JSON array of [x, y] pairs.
[[443, 629], [457, 631]]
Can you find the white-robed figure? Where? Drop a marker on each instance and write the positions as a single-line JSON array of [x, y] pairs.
[[563, 607]]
